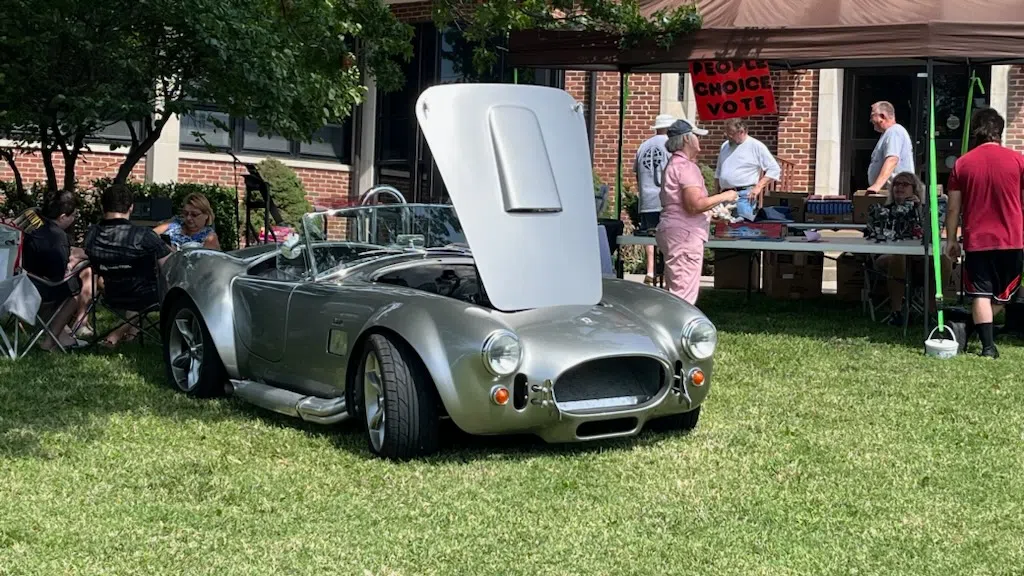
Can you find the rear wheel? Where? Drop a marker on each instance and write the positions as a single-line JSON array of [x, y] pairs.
[[393, 399], [190, 357]]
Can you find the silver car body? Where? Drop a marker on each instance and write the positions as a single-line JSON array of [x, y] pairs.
[[600, 357]]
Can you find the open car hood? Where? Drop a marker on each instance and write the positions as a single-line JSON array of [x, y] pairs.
[[516, 162]]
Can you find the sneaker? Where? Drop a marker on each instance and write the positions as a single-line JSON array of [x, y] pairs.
[[990, 352]]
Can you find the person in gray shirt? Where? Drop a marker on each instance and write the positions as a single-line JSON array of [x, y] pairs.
[[649, 167], [894, 152]]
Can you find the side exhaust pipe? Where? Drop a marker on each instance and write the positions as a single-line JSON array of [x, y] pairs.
[[309, 408]]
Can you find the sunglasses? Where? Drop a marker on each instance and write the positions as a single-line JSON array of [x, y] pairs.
[[191, 214]]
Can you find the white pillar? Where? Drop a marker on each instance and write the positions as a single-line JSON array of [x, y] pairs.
[[677, 96], [998, 92], [363, 171], [830, 130], [162, 158]]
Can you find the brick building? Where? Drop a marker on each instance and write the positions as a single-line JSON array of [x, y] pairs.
[[821, 129]]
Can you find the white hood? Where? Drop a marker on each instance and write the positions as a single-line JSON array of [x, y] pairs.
[[516, 162]]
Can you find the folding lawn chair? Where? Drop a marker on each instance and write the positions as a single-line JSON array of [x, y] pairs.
[[24, 313], [129, 306]]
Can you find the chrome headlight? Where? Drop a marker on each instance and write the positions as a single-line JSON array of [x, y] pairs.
[[503, 353], [700, 338]]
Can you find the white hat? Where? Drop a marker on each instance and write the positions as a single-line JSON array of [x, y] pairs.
[[663, 121]]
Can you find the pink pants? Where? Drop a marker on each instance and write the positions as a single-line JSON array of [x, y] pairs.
[[684, 261]]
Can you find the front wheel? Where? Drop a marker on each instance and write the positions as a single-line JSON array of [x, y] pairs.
[[190, 357], [393, 398]]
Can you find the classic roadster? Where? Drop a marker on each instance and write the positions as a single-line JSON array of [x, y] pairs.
[[492, 312]]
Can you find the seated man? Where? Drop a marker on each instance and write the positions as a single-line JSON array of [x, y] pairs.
[[48, 254], [127, 257]]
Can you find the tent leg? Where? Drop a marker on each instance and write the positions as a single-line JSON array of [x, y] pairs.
[[933, 204], [623, 79]]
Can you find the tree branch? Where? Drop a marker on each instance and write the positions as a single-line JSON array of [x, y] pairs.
[[136, 153], [19, 184]]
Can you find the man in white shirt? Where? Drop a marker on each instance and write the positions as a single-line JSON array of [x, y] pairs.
[[649, 166], [894, 152], [745, 165]]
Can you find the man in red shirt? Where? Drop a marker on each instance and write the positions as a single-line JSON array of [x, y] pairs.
[[986, 186]]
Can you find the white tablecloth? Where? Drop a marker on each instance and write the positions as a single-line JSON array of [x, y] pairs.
[[19, 297]]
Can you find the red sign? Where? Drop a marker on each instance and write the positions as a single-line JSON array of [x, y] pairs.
[[727, 89]]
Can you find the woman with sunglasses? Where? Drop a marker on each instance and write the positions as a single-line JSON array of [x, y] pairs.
[[906, 188], [194, 226]]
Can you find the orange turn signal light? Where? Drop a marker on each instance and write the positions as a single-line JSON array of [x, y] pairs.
[[499, 395], [697, 377]]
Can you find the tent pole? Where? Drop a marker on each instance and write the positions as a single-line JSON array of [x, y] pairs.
[[623, 78], [933, 203]]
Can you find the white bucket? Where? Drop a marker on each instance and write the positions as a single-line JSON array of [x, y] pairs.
[[941, 348]]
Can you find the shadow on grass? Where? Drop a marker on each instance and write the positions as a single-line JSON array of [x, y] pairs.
[[823, 318]]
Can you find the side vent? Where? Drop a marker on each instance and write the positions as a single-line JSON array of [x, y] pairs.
[[520, 392]]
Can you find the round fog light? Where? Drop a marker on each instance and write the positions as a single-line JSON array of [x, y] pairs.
[[499, 395], [697, 377]]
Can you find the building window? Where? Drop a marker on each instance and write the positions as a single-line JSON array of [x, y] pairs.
[[331, 143], [117, 134]]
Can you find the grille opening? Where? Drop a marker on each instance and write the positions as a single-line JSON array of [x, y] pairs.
[[629, 376], [602, 427], [520, 390]]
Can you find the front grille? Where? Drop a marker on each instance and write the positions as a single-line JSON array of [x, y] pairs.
[[609, 383]]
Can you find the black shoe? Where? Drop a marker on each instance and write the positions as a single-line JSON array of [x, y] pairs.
[[990, 352], [895, 319]]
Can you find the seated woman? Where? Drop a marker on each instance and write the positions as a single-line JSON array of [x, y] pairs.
[[194, 226], [906, 187]]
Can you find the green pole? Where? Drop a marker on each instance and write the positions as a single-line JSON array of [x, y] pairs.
[[975, 81], [933, 199], [623, 95], [515, 75]]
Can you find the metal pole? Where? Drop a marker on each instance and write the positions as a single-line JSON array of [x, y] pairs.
[[623, 79], [933, 203]]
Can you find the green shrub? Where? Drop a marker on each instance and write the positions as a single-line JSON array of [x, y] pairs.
[[287, 191]]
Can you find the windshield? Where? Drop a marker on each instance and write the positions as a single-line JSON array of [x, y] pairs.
[[338, 239]]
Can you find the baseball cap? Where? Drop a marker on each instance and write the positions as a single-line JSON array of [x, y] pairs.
[[680, 127]]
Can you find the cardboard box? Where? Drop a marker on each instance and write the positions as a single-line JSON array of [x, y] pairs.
[[744, 230], [829, 218], [862, 202], [850, 277], [793, 275], [732, 268], [795, 200]]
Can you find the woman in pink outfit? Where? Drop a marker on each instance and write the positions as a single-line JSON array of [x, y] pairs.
[[685, 205]]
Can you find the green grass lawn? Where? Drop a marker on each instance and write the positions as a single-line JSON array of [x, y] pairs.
[[828, 446]]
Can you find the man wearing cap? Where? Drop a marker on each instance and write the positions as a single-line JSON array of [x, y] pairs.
[[745, 165], [649, 166]]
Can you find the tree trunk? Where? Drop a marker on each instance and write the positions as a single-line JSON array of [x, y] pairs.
[[51, 173], [19, 183], [137, 153]]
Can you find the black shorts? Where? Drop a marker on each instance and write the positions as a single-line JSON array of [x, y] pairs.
[[993, 273], [649, 220]]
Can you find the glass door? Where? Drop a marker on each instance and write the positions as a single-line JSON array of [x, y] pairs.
[[907, 90]]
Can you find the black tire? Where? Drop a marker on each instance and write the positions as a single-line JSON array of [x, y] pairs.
[[210, 374], [684, 422], [410, 422]]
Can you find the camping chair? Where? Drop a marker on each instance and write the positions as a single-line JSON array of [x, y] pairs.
[[27, 314], [48, 309], [130, 308]]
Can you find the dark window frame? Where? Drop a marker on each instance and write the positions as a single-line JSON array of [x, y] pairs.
[[295, 147]]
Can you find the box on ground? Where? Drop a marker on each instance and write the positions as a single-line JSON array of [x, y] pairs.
[[793, 275], [795, 200], [850, 277], [733, 268]]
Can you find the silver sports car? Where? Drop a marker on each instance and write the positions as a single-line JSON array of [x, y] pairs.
[[492, 311]]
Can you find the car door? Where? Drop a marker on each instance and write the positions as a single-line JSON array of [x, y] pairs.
[[261, 319]]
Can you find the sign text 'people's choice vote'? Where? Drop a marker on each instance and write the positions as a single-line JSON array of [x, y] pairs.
[[727, 89]]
